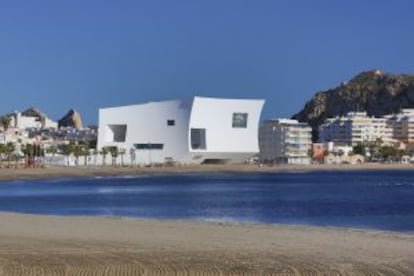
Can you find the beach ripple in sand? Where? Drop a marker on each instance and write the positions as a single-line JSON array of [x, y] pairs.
[[52, 245], [113, 264]]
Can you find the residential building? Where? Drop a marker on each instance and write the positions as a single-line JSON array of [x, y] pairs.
[[335, 159], [285, 141], [402, 125], [30, 118], [197, 130], [355, 128]]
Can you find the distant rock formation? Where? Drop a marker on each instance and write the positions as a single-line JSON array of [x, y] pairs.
[[375, 92], [71, 119], [33, 112]]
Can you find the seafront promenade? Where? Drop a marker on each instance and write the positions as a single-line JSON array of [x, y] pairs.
[[87, 171]]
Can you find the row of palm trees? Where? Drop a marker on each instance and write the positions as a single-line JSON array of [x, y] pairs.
[[83, 150], [28, 152], [7, 152], [32, 153], [115, 152]]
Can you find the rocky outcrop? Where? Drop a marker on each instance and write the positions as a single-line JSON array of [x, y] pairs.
[[33, 112], [71, 119], [375, 92]]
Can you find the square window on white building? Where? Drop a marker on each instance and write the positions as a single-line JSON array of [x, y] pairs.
[[239, 120]]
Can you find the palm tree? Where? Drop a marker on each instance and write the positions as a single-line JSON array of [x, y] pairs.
[[53, 150], [85, 153], [132, 156], [68, 150], [77, 151], [9, 150], [37, 152], [2, 152], [122, 153], [95, 155], [25, 152], [114, 153], [104, 152], [5, 121]]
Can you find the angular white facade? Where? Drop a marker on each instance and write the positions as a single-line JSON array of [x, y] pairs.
[[198, 130]]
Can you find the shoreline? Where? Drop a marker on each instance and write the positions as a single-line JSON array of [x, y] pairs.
[[108, 171], [218, 222], [56, 245], [234, 223]]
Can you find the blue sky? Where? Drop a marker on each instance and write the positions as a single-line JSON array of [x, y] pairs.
[[56, 55]]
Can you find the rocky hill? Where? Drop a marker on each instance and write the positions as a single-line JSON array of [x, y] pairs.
[[33, 112], [375, 92], [71, 119]]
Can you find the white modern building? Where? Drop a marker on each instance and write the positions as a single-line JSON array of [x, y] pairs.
[[285, 141], [355, 128], [197, 130]]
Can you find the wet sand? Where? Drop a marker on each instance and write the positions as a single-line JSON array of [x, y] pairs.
[[81, 171], [51, 245]]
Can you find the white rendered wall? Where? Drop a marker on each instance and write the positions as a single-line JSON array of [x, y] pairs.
[[147, 123], [50, 124], [216, 115], [24, 122], [28, 122]]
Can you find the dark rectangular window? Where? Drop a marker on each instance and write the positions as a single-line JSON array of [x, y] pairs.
[[170, 122], [116, 133], [149, 146], [198, 138], [239, 120]]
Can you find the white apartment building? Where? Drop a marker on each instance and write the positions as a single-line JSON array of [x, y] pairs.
[[196, 130], [402, 125], [285, 141], [31, 118], [355, 128]]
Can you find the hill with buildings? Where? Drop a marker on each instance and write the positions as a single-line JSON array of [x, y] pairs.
[[375, 92], [35, 118]]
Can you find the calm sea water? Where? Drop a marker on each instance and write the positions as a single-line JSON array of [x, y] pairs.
[[364, 199]]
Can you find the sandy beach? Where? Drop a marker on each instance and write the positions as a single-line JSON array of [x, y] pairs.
[[85, 171], [50, 245]]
